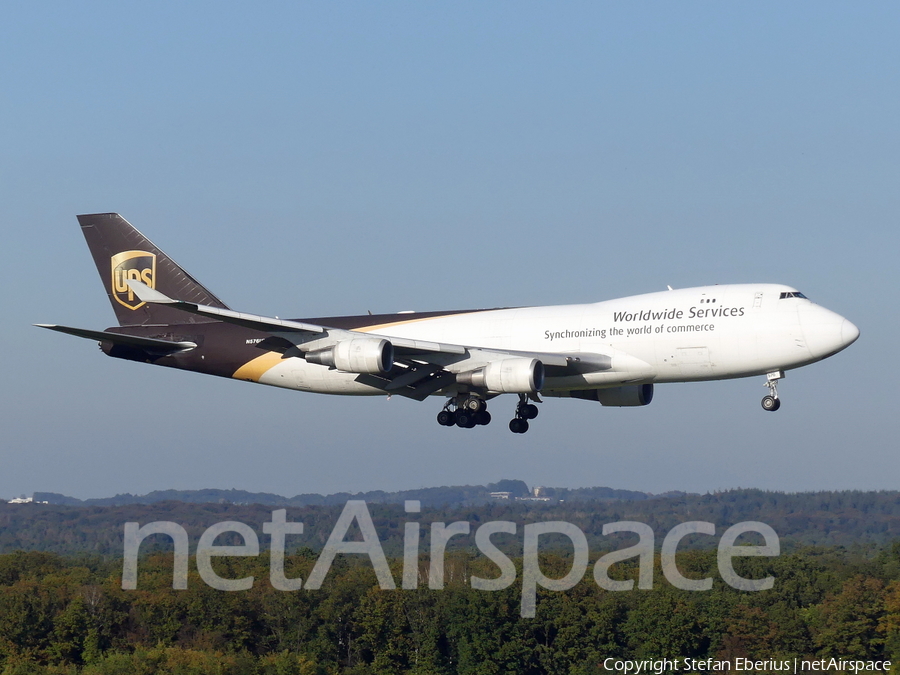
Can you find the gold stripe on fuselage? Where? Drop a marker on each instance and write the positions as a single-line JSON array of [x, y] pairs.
[[254, 369]]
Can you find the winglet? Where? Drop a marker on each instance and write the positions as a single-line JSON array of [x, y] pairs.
[[147, 294]]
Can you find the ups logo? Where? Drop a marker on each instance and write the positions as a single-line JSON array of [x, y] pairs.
[[137, 265]]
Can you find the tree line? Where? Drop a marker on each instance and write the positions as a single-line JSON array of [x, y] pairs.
[[69, 614], [847, 518]]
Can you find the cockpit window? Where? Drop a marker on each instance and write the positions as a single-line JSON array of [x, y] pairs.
[[792, 294]]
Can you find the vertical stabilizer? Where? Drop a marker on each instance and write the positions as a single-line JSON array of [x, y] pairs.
[[122, 253]]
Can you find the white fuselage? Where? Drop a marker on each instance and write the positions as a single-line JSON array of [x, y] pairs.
[[705, 333]]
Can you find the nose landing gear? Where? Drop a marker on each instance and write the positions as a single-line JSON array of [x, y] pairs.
[[771, 402]]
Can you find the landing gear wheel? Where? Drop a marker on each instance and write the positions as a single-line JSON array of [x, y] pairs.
[[475, 404], [482, 418], [518, 425], [465, 419], [446, 418], [770, 403], [528, 411]]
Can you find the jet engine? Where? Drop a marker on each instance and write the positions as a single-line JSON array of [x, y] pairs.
[[625, 396], [358, 355], [508, 376]]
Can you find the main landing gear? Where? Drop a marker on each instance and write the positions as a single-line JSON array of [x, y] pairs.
[[524, 411], [469, 411], [464, 411], [771, 402]]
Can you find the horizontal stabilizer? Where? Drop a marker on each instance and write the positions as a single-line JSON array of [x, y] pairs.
[[119, 339]]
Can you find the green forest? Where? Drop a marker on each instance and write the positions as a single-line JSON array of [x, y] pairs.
[[63, 609], [69, 614]]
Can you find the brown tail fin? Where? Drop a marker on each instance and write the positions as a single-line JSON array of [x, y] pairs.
[[122, 253]]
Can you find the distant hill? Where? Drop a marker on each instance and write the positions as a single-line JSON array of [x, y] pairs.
[[848, 518], [465, 495]]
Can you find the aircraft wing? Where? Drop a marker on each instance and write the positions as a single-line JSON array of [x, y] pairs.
[[281, 327], [147, 294], [421, 368]]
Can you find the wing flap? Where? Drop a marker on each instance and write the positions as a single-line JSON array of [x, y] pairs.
[[412, 375], [418, 390]]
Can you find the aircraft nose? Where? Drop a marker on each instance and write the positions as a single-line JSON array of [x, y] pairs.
[[849, 333], [826, 332]]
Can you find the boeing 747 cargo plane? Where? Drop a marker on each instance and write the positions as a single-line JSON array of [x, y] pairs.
[[611, 352]]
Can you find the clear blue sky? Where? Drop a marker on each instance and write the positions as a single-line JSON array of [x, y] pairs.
[[333, 158]]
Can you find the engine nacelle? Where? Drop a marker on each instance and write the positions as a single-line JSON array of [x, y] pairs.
[[625, 396], [358, 355], [508, 376]]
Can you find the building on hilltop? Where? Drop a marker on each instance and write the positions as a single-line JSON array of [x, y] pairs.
[[24, 500]]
